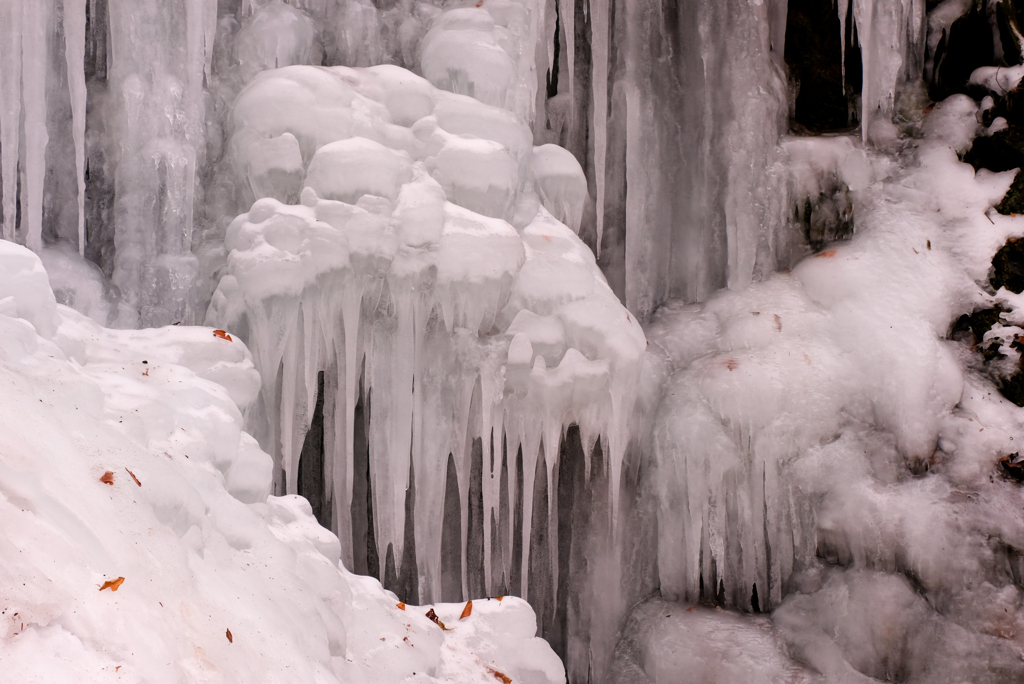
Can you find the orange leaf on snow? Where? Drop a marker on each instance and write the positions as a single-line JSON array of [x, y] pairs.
[[108, 478], [222, 335], [112, 584], [134, 478], [500, 676], [400, 605], [827, 254], [500, 597], [467, 611], [432, 616], [230, 639]]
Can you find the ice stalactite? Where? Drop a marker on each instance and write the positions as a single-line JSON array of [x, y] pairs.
[[673, 108], [491, 323], [892, 40], [35, 36], [74, 47], [600, 15], [10, 110]]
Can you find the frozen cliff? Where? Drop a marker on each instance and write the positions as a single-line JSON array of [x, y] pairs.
[[693, 323]]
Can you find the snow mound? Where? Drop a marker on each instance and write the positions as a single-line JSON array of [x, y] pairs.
[[137, 539]]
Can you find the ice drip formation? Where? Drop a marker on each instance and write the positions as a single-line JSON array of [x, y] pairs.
[[638, 310]]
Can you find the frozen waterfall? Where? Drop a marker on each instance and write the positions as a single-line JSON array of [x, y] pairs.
[[691, 322]]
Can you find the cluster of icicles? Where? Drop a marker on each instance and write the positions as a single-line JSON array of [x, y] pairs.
[[424, 261]]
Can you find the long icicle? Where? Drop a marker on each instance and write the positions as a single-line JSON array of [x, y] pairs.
[[74, 50], [35, 65], [599, 17], [10, 110]]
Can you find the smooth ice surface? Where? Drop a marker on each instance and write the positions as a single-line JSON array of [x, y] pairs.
[[221, 582]]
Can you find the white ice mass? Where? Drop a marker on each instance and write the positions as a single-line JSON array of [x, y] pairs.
[[586, 341]]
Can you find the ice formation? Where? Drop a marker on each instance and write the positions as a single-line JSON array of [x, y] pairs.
[[399, 271], [447, 230]]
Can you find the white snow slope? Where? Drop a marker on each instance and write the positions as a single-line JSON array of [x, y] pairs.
[[221, 583]]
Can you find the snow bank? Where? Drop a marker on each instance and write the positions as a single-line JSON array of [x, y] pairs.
[[123, 460]]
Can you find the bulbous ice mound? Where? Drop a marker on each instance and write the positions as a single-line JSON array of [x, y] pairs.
[[427, 261]]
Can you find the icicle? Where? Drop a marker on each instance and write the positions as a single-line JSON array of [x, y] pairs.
[[35, 67], [567, 12], [844, 8], [550, 36], [344, 476], [463, 449], [10, 109], [74, 48], [600, 28], [210, 34], [491, 470]]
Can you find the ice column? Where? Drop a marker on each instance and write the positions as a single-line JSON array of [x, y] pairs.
[[10, 109], [156, 77], [74, 48], [35, 57]]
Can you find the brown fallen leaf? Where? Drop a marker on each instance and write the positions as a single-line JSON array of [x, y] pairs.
[[112, 584], [732, 364], [222, 335], [432, 616], [1011, 468], [134, 478], [778, 323], [400, 605], [230, 639], [467, 611], [500, 676], [146, 373], [117, 668], [108, 478], [500, 597], [827, 254]]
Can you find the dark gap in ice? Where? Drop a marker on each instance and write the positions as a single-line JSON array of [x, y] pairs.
[[476, 581], [570, 485], [500, 538], [969, 44], [814, 55], [365, 559], [552, 77], [539, 577], [516, 566], [451, 538], [407, 587], [312, 482]]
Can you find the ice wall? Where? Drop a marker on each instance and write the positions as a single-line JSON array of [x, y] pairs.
[[673, 111]]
